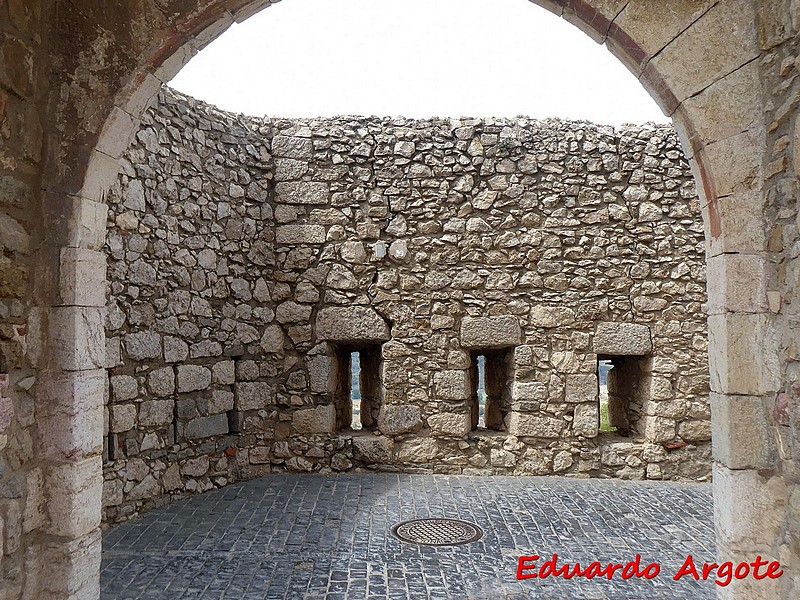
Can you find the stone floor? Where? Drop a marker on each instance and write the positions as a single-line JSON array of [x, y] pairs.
[[328, 537]]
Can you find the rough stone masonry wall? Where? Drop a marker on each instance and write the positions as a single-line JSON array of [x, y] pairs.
[[23, 56], [243, 253]]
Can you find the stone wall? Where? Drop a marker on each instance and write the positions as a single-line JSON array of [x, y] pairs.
[[22, 504], [248, 258]]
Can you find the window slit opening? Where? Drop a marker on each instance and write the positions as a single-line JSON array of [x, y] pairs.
[[355, 389]]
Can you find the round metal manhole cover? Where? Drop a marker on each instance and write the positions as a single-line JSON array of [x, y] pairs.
[[437, 532]]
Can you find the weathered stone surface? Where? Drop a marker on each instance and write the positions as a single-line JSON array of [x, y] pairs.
[[204, 427], [490, 332], [124, 387], [521, 425], [396, 419], [302, 192], [529, 390], [373, 450], [351, 324], [300, 234], [161, 382], [451, 385], [224, 372], [581, 388], [254, 395], [321, 419], [417, 451], [292, 147], [551, 316], [622, 339], [122, 417], [142, 345], [192, 378], [156, 413], [587, 419], [449, 424]]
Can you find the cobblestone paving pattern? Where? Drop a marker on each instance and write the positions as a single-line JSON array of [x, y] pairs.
[[328, 538]]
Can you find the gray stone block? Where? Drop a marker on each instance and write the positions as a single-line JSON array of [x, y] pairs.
[[302, 192], [523, 425], [300, 234], [373, 450], [490, 332], [204, 427], [451, 385], [396, 419], [253, 395], [192, 378], [351, 324], [321, 419], [622, 339]]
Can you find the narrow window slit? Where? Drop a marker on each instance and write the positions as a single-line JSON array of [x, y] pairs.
[[355, 388], [358, 393], [490, 397], [481, 390], [604, 366]]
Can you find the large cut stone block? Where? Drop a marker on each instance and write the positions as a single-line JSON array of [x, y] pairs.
[[529, 390], [396, 419], [70, 569], [78, 337], [252, 395], [156, 413], [318, 372], [490, 332], [451, 385], [743, 354], [551, 316], [622, 339], [450, 424], [587, 419], [204, 427], [737, 283], [525, 425], [193, 378], [749, 508], [742, 432], [678, 62], [142, 345], [582, 388], [321, 419], [373, 450], [302, 192], [300, 234], [70, 413], [76, 491], [351, 324], [289, 146], [82, 277]]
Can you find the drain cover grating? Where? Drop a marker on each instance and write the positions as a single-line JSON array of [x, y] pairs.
[[437, 532]]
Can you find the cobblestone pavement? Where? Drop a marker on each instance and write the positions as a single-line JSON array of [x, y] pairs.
[[328, 538]]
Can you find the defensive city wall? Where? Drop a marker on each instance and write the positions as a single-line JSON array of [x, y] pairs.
[[250, 260]]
